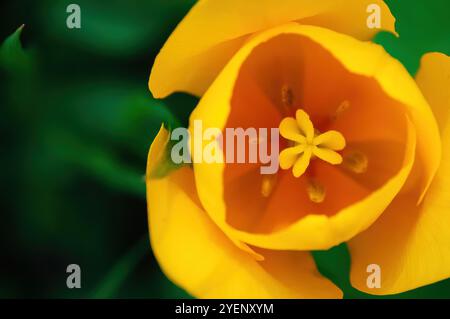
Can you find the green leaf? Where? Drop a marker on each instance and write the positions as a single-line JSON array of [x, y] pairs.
[[12, 55], [335, 265], [114, 28], [112, 282], [99, 162], [422, 26]]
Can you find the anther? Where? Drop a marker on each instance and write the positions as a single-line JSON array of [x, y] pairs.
[[344, 106], [356, 162], [267, 184], [316, 191], [287, 97]]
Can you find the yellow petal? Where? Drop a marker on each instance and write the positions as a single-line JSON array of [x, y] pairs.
[[156, 160], [197, 256], [302, 163], [305, 125], [327, 155], [330, 139], [318, 231], [213, 31], [289, 130], [289, 155], [410, 243], [433, 79]]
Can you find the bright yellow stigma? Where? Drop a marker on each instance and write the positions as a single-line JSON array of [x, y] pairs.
[[308, 144]]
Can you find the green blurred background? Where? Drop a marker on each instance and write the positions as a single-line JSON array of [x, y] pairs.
[[76, 123]]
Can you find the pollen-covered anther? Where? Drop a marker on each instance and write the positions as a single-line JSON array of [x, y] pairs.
[[267, 184], [356, 162], [316, 191], [287, 97], [344, 106], [308, 144]]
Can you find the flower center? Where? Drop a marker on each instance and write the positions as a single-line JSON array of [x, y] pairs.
[[308, 143]]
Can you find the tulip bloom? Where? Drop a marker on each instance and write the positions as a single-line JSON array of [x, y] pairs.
[[363, 153]]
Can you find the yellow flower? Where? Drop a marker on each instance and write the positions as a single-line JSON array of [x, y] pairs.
[[362, 137]]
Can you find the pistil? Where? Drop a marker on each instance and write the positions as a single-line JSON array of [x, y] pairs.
[[308, 143]]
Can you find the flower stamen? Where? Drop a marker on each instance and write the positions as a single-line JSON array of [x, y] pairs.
[[356, 162], [287, 97], [344, 106], [316, 191], [267, 184], [308, 144]]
